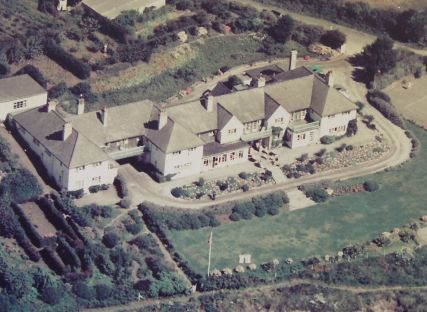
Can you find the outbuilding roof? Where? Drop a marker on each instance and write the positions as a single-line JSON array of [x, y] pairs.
[[19, 87]]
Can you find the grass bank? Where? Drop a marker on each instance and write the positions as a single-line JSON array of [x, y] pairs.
[[321, 229]]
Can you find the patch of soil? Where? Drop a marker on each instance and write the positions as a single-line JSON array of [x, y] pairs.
[[38, 219], [223, 218]]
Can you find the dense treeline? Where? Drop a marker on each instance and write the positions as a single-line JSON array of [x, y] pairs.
[[407, 26]]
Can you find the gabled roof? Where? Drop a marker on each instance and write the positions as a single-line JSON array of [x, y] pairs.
[[173, 137], [47, 128], [293, 74], [294, 94], [18, 87], [224, 116], [327, 101], [246, 105], [194, 116], [220, 89], [270, 106], [124, 121]]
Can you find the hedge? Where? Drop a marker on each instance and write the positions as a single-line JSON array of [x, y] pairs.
[[121, 186], [53, 261], [67, 61], [28, 227], [381, 101], [56, 218], [67, 253]]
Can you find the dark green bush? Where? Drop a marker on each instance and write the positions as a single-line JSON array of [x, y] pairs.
[[21, 185], [121, 186], [84, 291], [34, 73], [57, 90], [370, 186], [317, 194], [110, 239], [245, 187], [327, 139]]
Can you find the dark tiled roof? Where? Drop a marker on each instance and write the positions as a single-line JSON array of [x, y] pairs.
[[18, 87], [214, 148]]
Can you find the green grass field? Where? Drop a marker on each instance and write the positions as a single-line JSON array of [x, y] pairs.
[[318, 230]]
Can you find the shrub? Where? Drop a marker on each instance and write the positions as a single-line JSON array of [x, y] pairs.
[[52, 295], [200, 182], [21, 185], [103, 291], [243, 175], [370, 186], [110, 239], [341, 148], [352, 128], [125, 203], [327, 139], [223, 185], [84, 291], [245, 187], [177, 192], [333, 38], [317, 194], [52, 260], [94, 188], [27, 225], [121, 186], [76, 194], [57, 90], [234, 216], [67, 60], [273, 210]]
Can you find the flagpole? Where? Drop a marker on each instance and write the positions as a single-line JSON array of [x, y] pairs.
[[210, 252]]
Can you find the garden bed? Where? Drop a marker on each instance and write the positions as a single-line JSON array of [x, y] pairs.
[[202, 189], [341, 157]]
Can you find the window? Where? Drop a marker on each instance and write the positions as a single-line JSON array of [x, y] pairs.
[[206, 162], [97, 164], [240, 154], [279, 120], [96, 180], [192, 149], [81, 168], [301, 136], [232, 156], [176, 153], [20, 104], [232, 131], [111, 166]]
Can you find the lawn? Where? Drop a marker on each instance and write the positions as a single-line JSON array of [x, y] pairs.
[[321, 229]]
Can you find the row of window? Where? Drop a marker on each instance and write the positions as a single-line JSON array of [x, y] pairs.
[[232, 131], [179, 152], [337, 129], [223, 158], [186, 165], [20, 104]]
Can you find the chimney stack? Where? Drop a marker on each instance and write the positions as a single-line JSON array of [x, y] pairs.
[[293, 60], [67, 129], [259, 82], [330, 78], [51, 105], [104, 116], [208, 102], [81, 105], [163, 119]]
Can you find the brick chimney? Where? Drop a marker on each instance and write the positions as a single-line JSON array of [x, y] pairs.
[[163, 119], [330, 78], [51, 105], [208, 102], [104, 116], [81, 105], [259, 81], [293, 60], [67, 129]]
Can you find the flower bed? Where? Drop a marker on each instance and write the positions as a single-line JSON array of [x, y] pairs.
[[202, 189], [343, 156]]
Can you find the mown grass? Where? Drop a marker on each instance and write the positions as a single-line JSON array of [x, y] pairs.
[[321, 229]]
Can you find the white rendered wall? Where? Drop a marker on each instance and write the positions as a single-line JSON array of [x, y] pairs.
[[84, 178], [224, 135], [329, 123], [278, 114], [32, 101], [228, 162], [187, 162]]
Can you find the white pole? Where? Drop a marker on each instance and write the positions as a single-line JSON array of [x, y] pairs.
[[210, 251]]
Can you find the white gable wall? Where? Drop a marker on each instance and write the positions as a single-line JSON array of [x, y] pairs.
[[280, 118], [26, 103], [334, 124], [231, 132], [86, 176]]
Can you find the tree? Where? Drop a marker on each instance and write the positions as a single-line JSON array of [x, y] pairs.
[[333, 38], [283, 29], [33, 46], [352, 128], [110, 239], [379, 57]]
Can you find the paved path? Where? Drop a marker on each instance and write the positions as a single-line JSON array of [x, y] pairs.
[[136, 306], [356, 40]]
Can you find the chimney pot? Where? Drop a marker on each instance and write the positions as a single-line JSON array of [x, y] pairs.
[[104, 116], [330, 78], [293, 60]]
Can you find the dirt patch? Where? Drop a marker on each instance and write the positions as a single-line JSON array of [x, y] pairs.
[[395, 4], [223, 218], [384, 305], [38, 219], [422, 236], [50, 70]]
